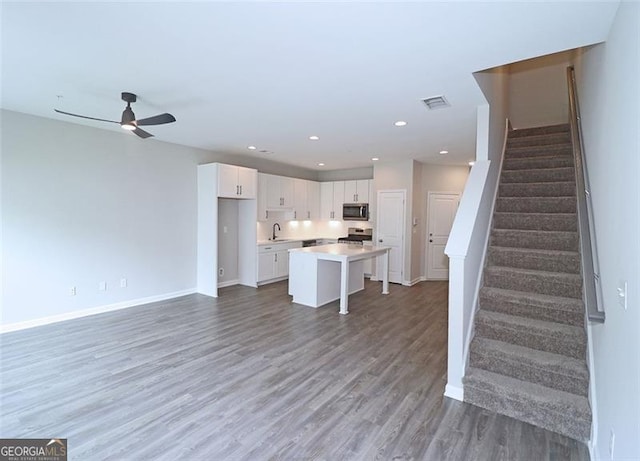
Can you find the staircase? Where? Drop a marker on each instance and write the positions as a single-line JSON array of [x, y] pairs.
[[528, 357]]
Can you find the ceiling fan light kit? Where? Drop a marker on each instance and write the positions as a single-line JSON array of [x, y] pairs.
[[128, 120]]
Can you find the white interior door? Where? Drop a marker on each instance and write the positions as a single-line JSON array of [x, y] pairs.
[[442, 211], [390, 228]]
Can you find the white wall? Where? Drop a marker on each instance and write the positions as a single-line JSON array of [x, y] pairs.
[[538, 91], [82, 205], [469, 235], [609, 94]]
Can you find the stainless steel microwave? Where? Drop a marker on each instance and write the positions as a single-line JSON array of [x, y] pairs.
[[355, 211]]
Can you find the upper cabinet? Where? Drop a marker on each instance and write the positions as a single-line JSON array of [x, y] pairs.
[[279, 192], [331, 200], [237, 182], [356, 191], [306, 199]]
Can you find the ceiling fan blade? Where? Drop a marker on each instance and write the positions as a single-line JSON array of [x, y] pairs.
[[156, 120], [84, 116], [143, 134]]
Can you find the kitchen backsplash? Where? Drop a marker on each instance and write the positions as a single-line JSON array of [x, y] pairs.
[[306, 229]]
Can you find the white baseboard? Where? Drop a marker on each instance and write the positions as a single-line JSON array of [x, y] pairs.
[[411, 282], [228, 283], [92, 311], [454, 392]]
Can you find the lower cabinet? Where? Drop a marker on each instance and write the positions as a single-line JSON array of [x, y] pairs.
[[273, 261]]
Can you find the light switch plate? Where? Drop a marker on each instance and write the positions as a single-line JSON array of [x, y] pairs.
[[622, 294]]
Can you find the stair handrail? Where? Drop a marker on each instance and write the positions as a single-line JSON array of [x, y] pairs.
[[589, 254]]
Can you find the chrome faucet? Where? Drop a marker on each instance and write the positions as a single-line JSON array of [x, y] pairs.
[[274, 230]]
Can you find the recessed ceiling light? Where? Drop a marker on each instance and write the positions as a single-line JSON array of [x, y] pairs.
[[400, 123], [472, 163], [314, 138], [251, 147], [320, 164], [442, 152], [375, 159]]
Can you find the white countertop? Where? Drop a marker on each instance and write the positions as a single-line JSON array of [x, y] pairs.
[[291, 240], [340, 251]]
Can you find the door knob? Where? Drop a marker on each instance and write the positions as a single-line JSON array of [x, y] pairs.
[[380, 240], [430, 241]]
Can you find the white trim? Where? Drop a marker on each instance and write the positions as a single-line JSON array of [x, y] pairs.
[[412, 282], [592, 393], [476, 296], [228, 283], [92, 311], [454, 392]]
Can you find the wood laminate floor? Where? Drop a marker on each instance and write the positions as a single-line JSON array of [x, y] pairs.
[[250, 376]]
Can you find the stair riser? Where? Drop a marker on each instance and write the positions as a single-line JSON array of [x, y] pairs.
[[538, 175], [537, 312], [536, 205], [569, 425], [557, 150], [566, 241], [546, 222], [529, 163], [541, 140], [560, 189], [547, 262], [510, 366], [538, 283], [540, 340], [539, 131]]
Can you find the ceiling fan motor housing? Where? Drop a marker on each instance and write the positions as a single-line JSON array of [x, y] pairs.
[[128, 97]]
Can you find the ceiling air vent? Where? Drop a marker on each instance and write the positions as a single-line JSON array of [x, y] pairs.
[[436, 102]]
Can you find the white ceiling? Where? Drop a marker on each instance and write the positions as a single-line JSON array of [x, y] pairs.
[[273, 74]]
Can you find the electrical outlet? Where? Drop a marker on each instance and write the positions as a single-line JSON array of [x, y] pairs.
[[224, 229], [72, 291], [123, 282], [221, 272], [612, 443], [102, 286]]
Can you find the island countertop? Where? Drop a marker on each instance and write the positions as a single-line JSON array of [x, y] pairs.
[[340, 251]]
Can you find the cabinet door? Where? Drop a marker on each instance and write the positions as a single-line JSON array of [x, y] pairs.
[[266, 266], [247, 180], [313, 200], [362, 191], [282, 263], [263, 214], [227, 181], [326, 200], [338, 199], [287, 192], [300, 207], [350, 192], [274, 198]]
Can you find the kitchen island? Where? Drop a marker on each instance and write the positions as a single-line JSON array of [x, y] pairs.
[[321, 274]]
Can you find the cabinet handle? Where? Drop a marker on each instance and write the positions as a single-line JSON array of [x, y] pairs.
[[295, 215], [308, 215], [240, 189], [237, 190], [276, 255]]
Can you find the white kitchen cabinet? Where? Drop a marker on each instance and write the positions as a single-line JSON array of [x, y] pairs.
[[263, 213], [236, 182], [331, 200], [306, 199], [279, 192], [356, 191], [273, 261], [313, 200]]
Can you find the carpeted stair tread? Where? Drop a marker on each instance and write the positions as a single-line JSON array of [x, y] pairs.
[[564, 222], [564, 150], [529, 163], [539, 239], [559, 309], [552, 370], [536, 204], [536, 334], [538, 175], [538, 189], [534, 281], [539, 130], [555, 410], [539, 139], [536, 259]]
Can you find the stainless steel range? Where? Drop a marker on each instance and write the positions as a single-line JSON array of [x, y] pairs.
[[357, 236]]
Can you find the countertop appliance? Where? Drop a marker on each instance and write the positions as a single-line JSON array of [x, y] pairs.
[[355, 212], [357, 236]]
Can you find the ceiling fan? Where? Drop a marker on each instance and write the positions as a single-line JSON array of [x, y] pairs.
[[128, 120]]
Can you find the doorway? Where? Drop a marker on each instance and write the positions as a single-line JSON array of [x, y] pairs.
[[441, 211], [390, 230]]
